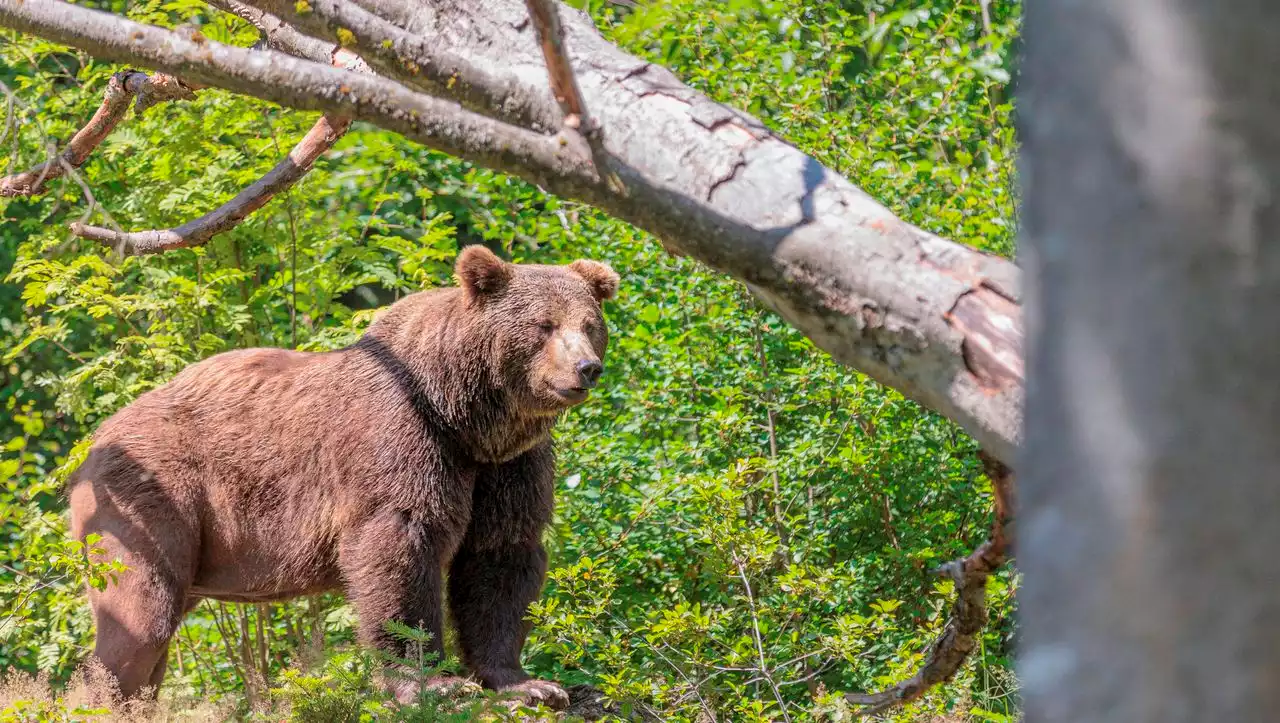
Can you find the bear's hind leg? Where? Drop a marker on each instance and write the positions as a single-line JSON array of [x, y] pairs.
[[136, 614], [162, 664]]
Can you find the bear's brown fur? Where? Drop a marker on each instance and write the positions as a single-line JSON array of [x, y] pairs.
[[264, 474]]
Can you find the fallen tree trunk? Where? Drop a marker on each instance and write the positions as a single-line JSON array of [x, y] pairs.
[[938, 321]]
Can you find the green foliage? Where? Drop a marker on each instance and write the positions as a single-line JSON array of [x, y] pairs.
[[337, 694], [743, 526]]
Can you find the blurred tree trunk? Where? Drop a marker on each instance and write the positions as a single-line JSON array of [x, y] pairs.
[[1149, 532]]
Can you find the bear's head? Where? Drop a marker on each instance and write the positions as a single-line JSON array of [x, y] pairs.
[[545, 322]]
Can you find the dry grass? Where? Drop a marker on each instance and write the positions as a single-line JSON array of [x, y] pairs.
[[89, 696]]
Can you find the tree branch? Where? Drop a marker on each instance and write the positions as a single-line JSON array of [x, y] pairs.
[[145, 90], [564, 85], [277, 34], [306, 85], [968, 613], [319, 139], [322, 136], [413, 58]]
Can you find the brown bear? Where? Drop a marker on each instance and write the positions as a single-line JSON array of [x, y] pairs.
[[265, 474]]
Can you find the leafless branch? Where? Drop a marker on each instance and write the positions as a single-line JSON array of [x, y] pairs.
[[755, 629], [968, 613], [287, 172], [564, 84], [145, 90]]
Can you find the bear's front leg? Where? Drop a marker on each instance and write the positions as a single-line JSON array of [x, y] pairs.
[[498, 571], [392, 568]]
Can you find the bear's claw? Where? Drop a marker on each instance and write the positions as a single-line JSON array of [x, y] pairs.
[[533, 692]]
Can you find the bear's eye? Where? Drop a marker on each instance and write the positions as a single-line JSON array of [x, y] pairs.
[[547, 326], [589, 328]]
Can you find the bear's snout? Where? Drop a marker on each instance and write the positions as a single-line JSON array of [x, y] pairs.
[[589, 371]]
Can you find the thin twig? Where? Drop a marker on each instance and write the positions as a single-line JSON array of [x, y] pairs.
[[822, 461], [755, 629], [22, 601], [779, 517], [225, 634]]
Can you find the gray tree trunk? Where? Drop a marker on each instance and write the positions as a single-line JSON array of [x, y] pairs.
[[1150, 538]]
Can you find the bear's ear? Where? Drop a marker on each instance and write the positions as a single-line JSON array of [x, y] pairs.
[[480, 271], [603, 280]]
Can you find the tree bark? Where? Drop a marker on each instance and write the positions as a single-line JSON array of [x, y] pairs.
[[938, 321], [1148, 535]]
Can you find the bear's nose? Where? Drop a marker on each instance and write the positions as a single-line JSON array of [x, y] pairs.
[[589, 372]]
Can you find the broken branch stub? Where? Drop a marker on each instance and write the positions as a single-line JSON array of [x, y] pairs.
[[564, 84], [545, 17]]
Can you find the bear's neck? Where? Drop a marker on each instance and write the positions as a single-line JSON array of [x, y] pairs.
[[451, 373]]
